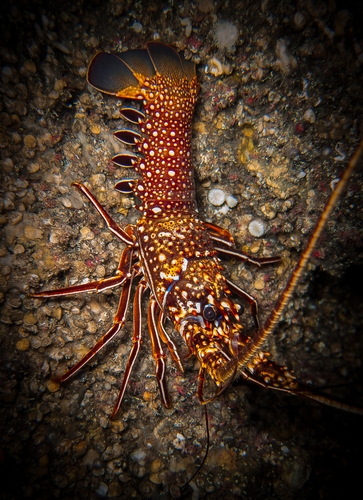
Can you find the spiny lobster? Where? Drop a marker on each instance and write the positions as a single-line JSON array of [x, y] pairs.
[[173, 252]]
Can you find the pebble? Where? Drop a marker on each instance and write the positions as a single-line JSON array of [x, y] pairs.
[[155, 478], [137, 27], [259, 284], [80, 448], [255, 247], [29, 319], [33, 167], [23, 345], [117, 426], [53, 386], [138, 455], [148, 396], [95, 129], [66, 202], [114, 490], [156, 465], [28, 68], [231, 201], [309, 116], [30, 141], [216, 197], [32, 233], [256, 228], [300, 19], [216, 68], [102, 490], [87, 234], [100, 271]]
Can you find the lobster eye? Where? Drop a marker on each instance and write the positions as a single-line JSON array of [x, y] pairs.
[[209, 312]]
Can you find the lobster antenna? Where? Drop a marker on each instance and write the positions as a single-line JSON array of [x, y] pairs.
[[206, 450], [251, 349]]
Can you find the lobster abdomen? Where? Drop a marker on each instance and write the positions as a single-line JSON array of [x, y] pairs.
[[167, 84]]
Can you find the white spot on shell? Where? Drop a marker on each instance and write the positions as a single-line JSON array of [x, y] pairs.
[[216, 197], [256, 228]]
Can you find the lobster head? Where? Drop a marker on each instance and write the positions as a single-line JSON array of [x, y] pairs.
[[202, 310]]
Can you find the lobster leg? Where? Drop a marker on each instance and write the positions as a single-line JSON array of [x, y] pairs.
[[157, 351], [167, 340], [219, 234], [257, 261], [136, 343], [123, 273], [200, 390], [111, 224], [118, 323], [248, 298]]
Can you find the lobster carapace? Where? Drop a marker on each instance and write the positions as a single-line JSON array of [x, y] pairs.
[[173, 254]]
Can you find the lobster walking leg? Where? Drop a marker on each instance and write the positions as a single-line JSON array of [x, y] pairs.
[[168, 341], [136, 343], [248, 298], [257, 261], [157, 351], [123, 273], [118, 323], [122, 234]]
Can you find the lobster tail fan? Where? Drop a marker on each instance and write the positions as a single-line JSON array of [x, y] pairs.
[[108, 73], [139, 63], [166, 60]]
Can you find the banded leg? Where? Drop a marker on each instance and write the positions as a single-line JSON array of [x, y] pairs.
[[122, 274], [257, 261], [248, 298], [124, 235], [157, 351], [167, 340], [136, 343], [118, 323], [219, 234]]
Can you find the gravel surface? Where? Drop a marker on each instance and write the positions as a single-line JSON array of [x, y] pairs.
[[278, 116]]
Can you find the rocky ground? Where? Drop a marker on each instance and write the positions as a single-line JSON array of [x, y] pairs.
[[278, 117]]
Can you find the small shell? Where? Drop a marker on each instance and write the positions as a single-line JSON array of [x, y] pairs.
[[216, 197], [217, 68], [256, 228], [231, 201], [309, 116]]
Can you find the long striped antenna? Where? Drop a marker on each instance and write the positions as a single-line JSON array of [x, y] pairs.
[[251, 349]]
